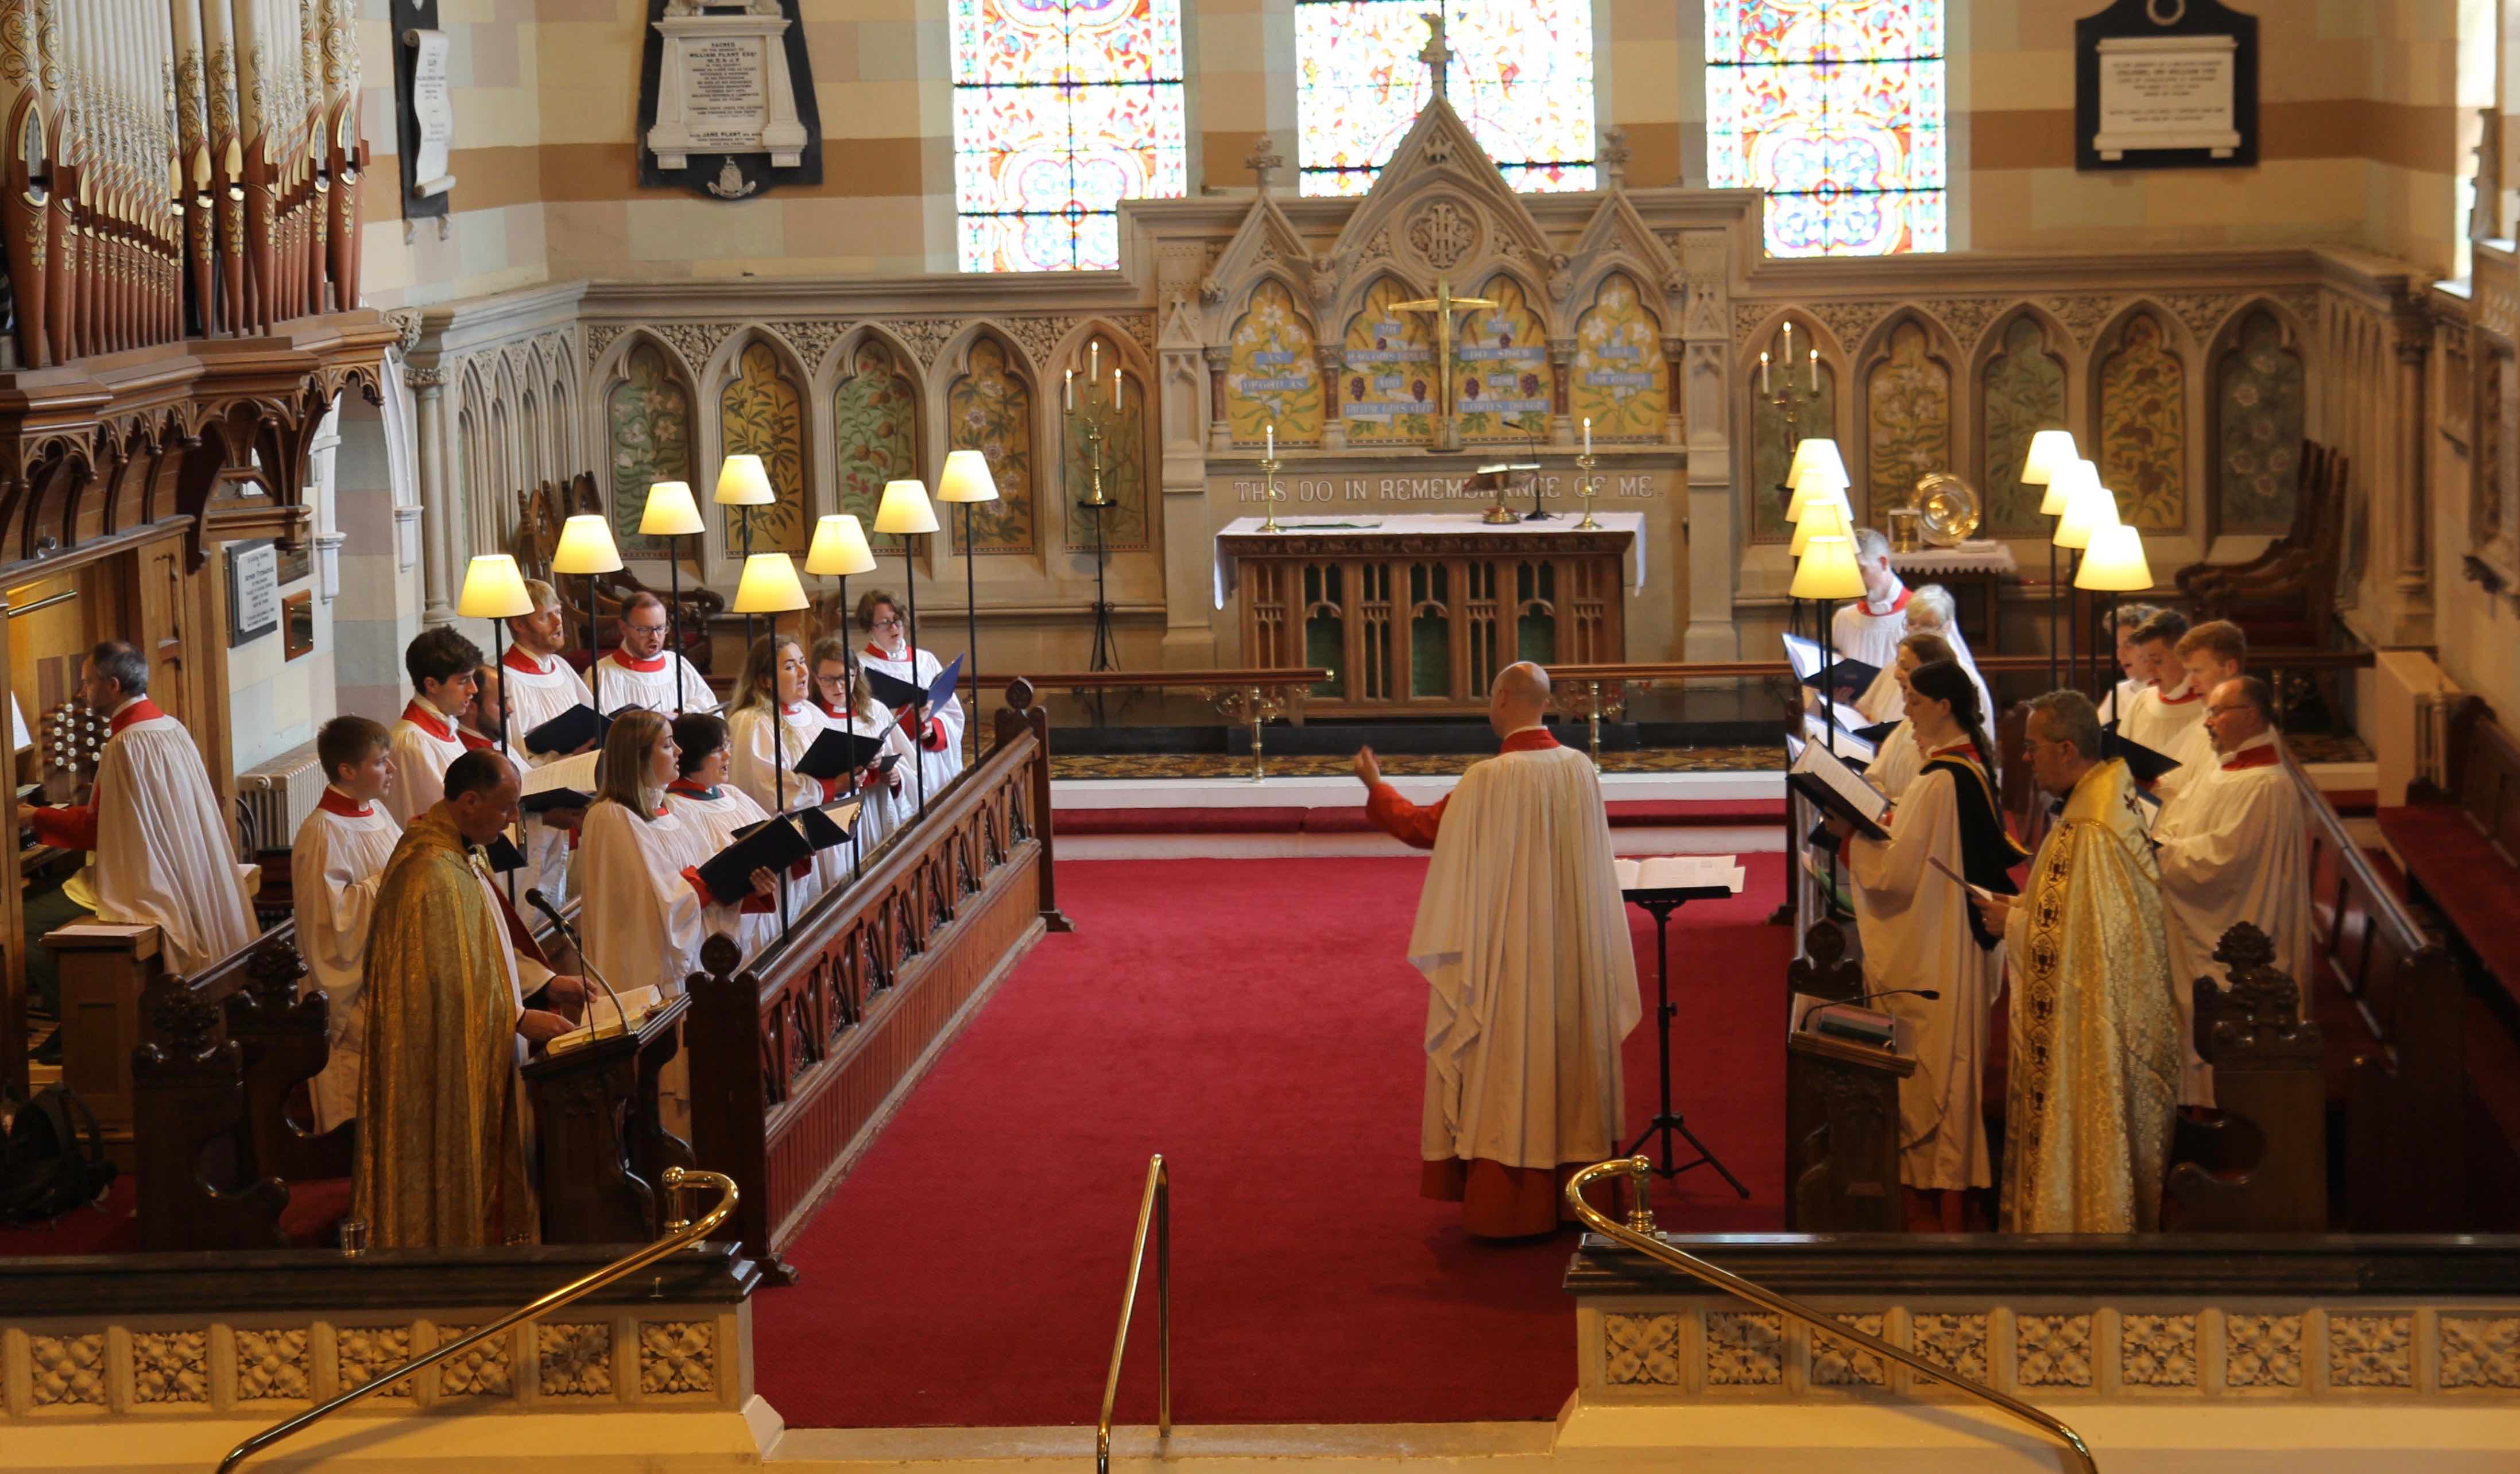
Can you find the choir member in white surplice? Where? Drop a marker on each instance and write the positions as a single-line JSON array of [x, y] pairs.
[[1532, 979], [430, 738], [1896, 760], [2161, 712], [703, 798], [642, 673], [939, 733], [2233, 847], [1920, 933], [335, 866], [2210, 653], [771, 724], [2134, 669], [642, 906], [164, 854], [536, 685], [840, 689], [1870, 628]]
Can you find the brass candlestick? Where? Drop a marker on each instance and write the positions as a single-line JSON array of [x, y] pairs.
[[1271, 496], [1587, 487]]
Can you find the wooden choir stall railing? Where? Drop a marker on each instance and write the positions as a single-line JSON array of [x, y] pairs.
[[796, 1054]]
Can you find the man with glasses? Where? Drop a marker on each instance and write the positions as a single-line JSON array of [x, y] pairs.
[[2232, 847], [642, 673]]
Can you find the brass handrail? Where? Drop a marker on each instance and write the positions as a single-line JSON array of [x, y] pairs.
[[1155, 1207], [678, 1234], [1638, 1233]]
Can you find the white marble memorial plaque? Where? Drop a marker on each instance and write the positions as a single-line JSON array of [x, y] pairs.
[[433, 108], [2167, 92], [724, 87]]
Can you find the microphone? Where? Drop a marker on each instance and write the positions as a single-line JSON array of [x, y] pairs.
[[1930, 995], [535, 898]]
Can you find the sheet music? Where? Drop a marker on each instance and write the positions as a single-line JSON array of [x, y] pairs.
[[1680, 871], [1818, 728], [577, 773], [1804, 655], [1960, 880], [1865, 799]]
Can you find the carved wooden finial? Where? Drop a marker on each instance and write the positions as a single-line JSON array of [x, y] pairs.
[[1264, 160], [1436, 56], [720, 956]]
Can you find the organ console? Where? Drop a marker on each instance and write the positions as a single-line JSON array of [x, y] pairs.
[[176, 167]]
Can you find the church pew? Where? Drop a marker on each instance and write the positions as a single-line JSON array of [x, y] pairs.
[[2258, 1163], [2458, 840]]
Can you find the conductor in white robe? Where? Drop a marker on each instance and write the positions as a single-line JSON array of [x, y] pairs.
[[429, 737], [1532, 977], [162, 852], [642, 673], [2233, 847], [335, 866], [937, 734]]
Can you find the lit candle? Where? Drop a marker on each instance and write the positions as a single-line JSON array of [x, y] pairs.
[[1117, 378], [1071, 391], [1815, 371], [1272, 440], [1587, 434], [1763, 371], [1093, 364], [1788, 354]]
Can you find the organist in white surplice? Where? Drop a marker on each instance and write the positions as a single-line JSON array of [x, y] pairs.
[[429, 736], [164, 854], [536, 686], [2233, 847], [642, 673], [335, 866], [1522, 936]]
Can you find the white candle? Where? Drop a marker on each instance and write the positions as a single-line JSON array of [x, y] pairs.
[[1587, 434], [1095, 363], [1272, 440], [1815, 371], [1788, 354], [1071, 391], [1763, 371], [1117, 378]]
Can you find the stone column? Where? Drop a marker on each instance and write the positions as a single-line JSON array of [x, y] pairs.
[[1188, 394], [1700, 379], [1562, 371], [1220, 434], [1332, 359], [2414, 586], [438, 580]]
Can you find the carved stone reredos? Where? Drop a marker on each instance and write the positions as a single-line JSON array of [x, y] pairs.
[[1440, 207], [1265, 244]]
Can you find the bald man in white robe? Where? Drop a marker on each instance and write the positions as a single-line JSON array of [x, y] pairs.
[[1523, 938]]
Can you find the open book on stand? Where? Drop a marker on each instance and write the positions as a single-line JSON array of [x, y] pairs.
[[604, 1022]]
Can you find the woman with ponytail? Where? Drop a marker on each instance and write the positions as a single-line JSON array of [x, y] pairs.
[[1920, 933]]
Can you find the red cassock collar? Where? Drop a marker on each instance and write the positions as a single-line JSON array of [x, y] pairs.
[[418, 714], [2167, 699], [647, 667], [878, 652], [518, 660], [142, 710], [332, 802], [1896, 604], [1956, 749], [473, 742], [2255, 757], [1529, 740], [829, 710]]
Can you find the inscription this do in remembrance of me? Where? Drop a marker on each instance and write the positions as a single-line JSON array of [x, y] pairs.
[[1628, 486]]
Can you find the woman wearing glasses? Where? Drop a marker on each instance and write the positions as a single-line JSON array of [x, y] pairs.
[[840, 691], [938, 733]]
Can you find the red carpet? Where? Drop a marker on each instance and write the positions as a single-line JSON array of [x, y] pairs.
[[1257, 1024]]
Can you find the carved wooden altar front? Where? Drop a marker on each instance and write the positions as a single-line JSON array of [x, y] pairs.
[[1420, 620]]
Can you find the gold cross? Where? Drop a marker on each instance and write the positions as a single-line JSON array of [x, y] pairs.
[[1443, 304]]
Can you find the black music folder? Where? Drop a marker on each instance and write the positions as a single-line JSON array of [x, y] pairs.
[[1821, 777], [566, 783], [572, 730], [2145, 764], [776, 845], [1826, 670], [895, 692], [501, 855], [840, 751]]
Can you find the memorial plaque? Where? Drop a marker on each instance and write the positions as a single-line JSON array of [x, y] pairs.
[[2162, 84], [726, 98], [424, 111]]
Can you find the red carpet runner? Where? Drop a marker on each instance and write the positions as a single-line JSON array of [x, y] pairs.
[[1257, 1024]]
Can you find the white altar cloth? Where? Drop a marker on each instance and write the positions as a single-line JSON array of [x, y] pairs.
[[1409, 525]]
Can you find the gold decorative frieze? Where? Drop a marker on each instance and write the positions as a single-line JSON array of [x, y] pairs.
[[2262, 1351], [1840, 1363], [2372, 1351], [273, 1365], [2157, 1351], [576, 1360], [1642, 1351], [480, 1370], [170, 1367], [362, 1351], [2053, 1350], [677, 1356], [68, 1371], [1956, 1341], [2480, 1350]]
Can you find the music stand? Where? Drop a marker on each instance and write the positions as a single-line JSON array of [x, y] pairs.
[[1661, 901]]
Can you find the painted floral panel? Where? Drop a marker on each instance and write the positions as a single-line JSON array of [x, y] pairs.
[[1391, 391], [1123, 454], [648, 419], [2143, 427], [1502, 382], [2257, 453], [1271, 377], [1622, 383], [989, 409], [2023, 385], [1908, 429], [875, 423], [762, 413], [1773, 446]]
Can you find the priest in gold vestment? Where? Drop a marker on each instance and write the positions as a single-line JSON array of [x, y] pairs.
[[441, 1153], [2096, 1047]]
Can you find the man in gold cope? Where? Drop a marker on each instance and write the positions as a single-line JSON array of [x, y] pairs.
[[442, 1157], [2096, 1048]]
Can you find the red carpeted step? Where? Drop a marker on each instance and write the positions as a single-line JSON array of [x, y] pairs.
[[1257, 1022], [1351, 820]]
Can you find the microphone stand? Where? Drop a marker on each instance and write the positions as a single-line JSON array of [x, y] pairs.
[[542, 903]]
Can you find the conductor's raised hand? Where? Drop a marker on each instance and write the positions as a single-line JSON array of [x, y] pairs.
[[1368, 771]]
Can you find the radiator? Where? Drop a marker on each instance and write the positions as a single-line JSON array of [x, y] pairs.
[[272, 798], [2407, 723]]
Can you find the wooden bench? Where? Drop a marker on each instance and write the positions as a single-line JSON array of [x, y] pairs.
[[2458, 843]]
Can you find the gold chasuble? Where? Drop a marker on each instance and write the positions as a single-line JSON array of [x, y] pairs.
[[2096, 1048], [441, 1114]]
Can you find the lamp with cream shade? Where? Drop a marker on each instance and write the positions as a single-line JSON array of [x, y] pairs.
[[1813, 453], [840, 550], [904, 512], [670, 514], [770, 586], [1825, 517], [2114, 563], [968, 482], [494, 589], [585, 547], [1828, 572], [2050, 452], [743, 484], [2089, 507]]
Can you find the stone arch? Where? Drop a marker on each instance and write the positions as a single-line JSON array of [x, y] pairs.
[[2257, 403], [1908, 394], [2023, 384], [651, 423], [2142, 428], [990, 405]]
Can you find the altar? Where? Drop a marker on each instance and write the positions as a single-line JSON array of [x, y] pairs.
[[1418, 612]]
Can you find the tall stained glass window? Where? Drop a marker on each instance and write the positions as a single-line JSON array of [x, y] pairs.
[[1062, 109], [1836, 109], [1521, 76]]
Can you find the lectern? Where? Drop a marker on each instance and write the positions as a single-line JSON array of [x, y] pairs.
[[1842, 1136], [597, 1134]]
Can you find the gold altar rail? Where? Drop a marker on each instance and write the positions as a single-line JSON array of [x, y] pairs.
[[1155, 1208], [1248, 696], [678, 1235], [1638, 1233]]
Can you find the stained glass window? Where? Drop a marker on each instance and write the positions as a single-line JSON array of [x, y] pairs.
[[1062, 109], [1836, 109], [1521, 76]]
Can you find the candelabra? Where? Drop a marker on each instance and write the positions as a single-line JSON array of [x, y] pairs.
[[1587, 487], [1092, 425]]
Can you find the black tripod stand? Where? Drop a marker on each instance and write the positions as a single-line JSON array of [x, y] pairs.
[[1107, 649], [1667, 1121]]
